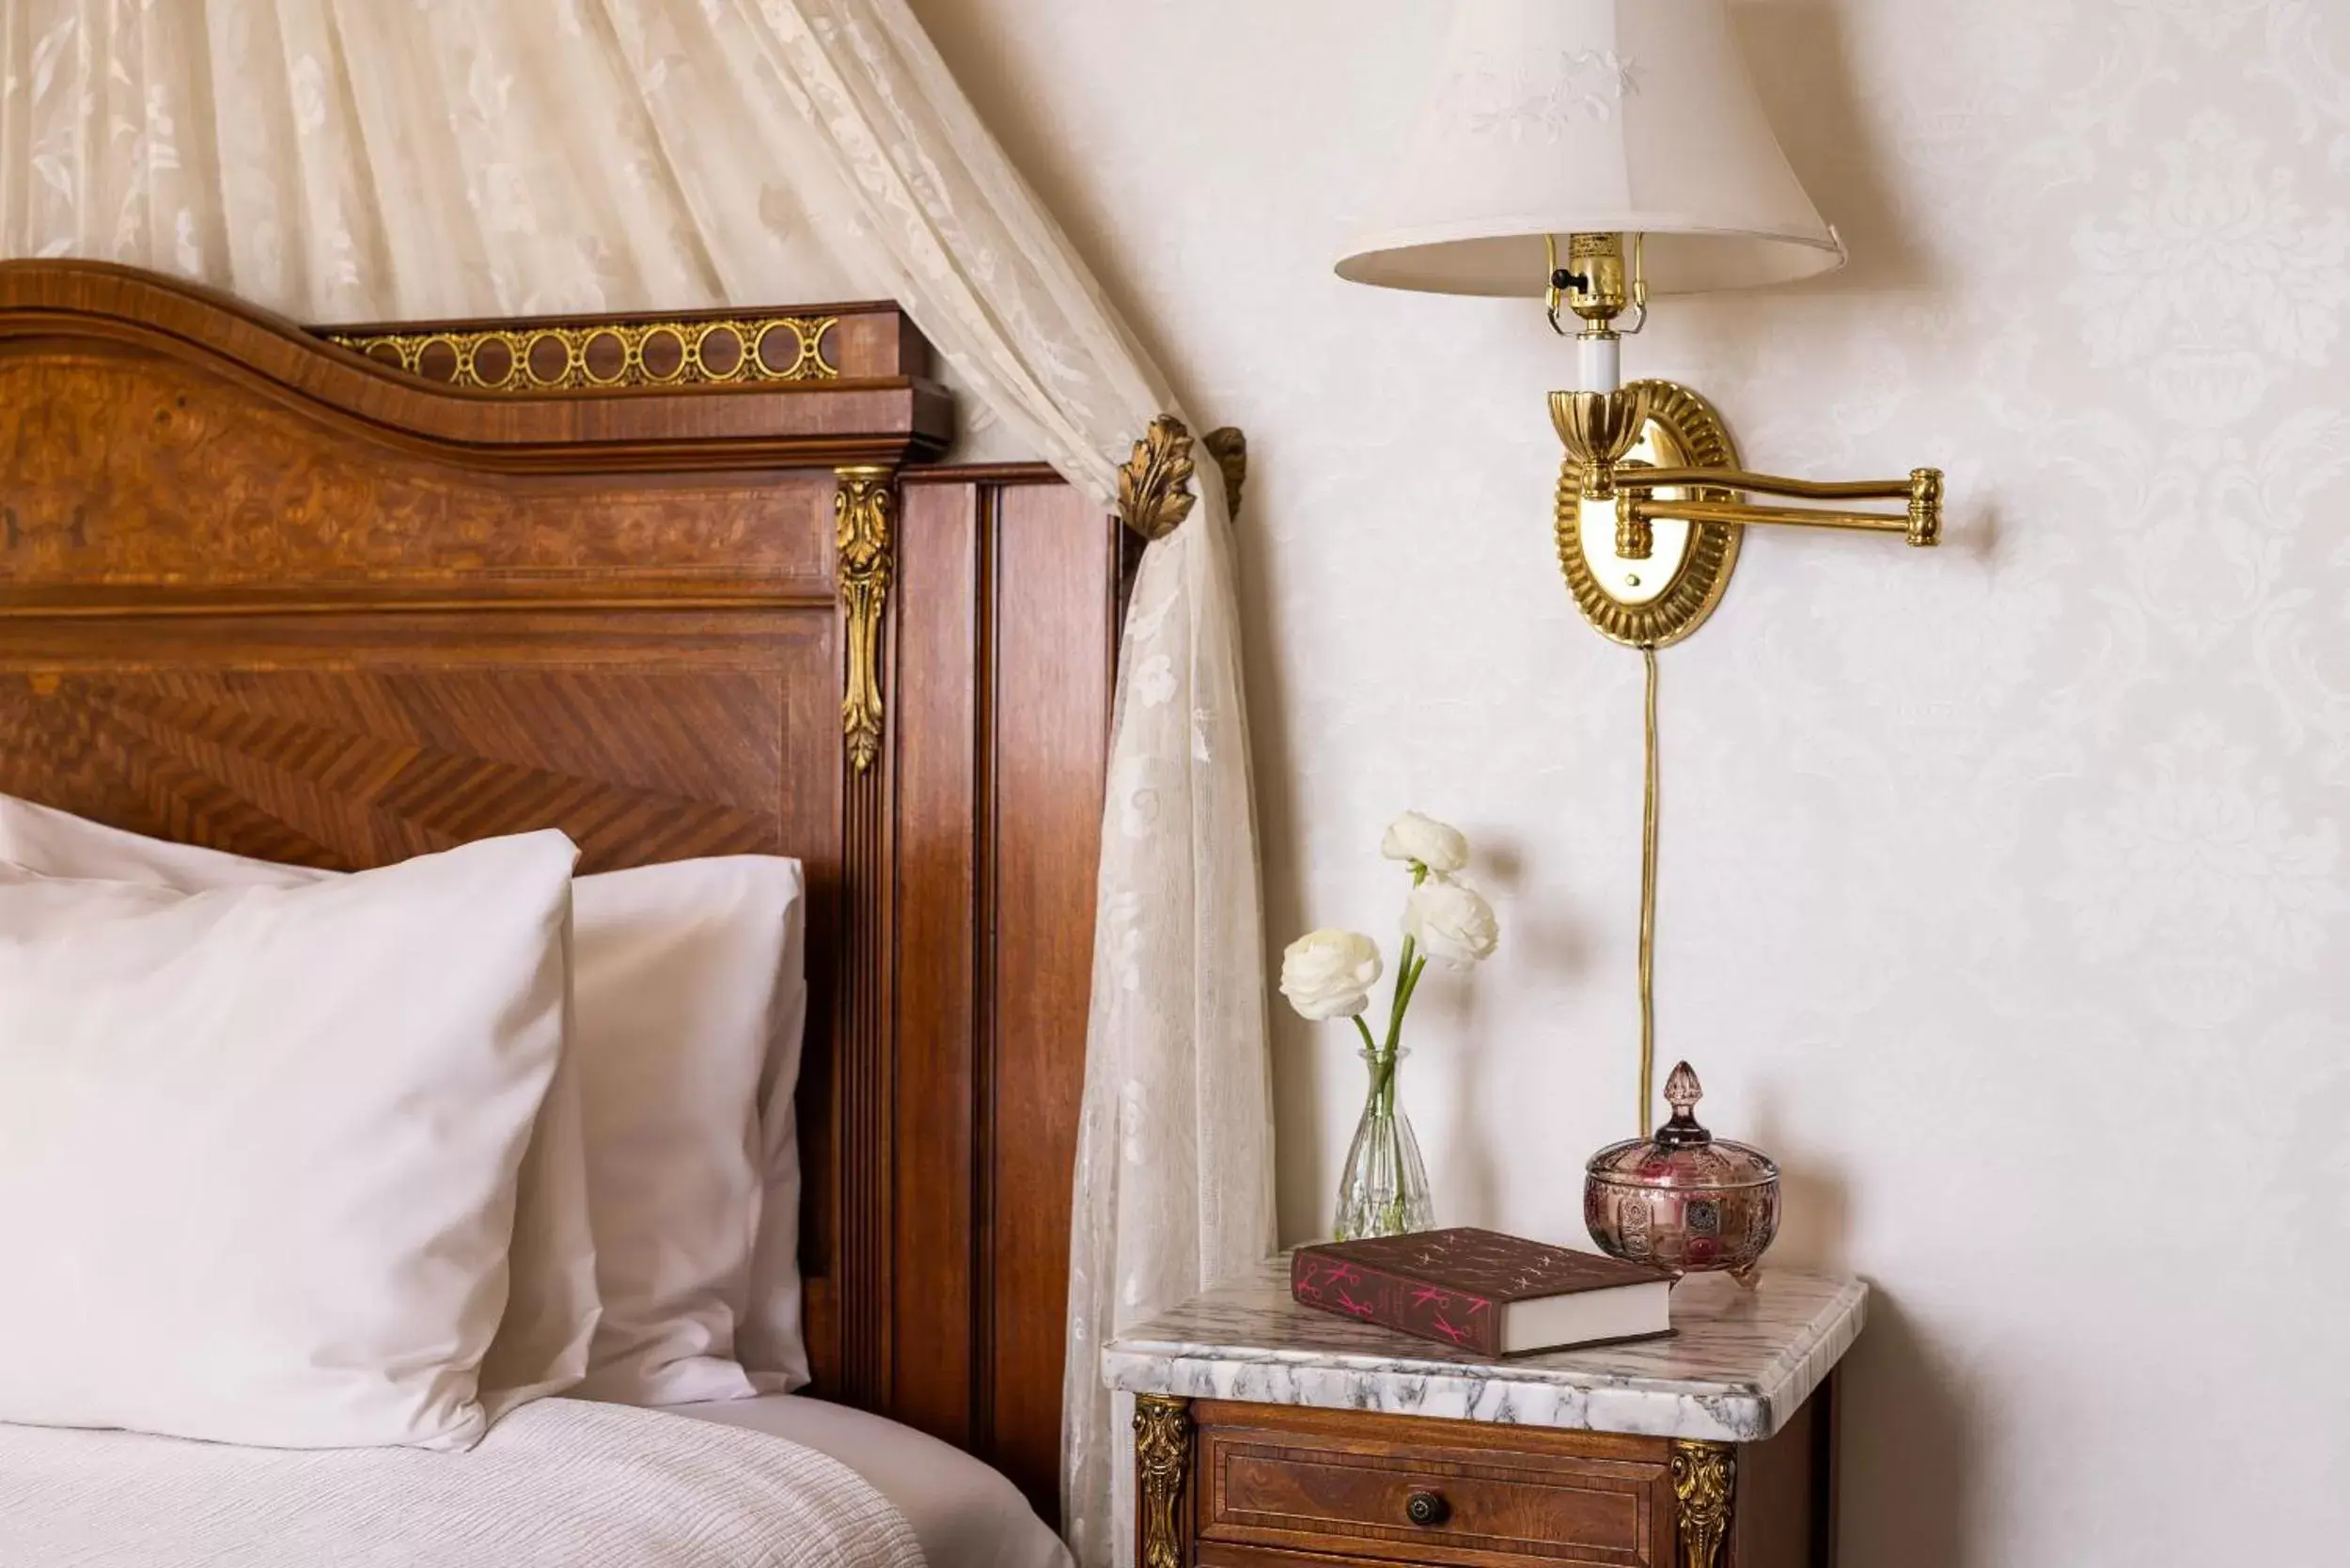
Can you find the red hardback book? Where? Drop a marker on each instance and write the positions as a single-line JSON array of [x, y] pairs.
[[1481, 1291]]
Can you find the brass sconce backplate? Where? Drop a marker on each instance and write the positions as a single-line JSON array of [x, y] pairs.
[[1661, 599]]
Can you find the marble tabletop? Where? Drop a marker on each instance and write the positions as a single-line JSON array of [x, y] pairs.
[[1736, 1366]]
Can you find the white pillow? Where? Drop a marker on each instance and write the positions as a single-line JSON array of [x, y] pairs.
[[690, 1005], [259, 1147], [690, 979], [552, 1309]]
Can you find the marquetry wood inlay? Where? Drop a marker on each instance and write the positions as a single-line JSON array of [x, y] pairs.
[[347, 769]]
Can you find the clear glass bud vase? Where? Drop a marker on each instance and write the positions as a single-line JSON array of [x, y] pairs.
[[1384, 1188]]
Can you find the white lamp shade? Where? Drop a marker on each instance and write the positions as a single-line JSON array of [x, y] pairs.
[[1565, 116]]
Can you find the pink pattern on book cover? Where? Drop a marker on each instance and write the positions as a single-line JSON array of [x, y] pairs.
[[1443, 1285], [1375, 1296]]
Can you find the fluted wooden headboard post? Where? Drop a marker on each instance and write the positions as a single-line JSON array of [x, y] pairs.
[[865, 505]]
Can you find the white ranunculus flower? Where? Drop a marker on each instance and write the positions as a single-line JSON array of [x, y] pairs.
[[1453, 924], [1328, 974], [1424, 840]]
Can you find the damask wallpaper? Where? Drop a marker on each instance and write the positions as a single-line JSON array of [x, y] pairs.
[[2005, 888]]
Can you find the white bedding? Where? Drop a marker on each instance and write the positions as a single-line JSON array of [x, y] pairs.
[[561, 1483], [965, 1513]]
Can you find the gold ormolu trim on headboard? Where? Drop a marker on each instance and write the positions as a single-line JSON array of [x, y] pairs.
[[1154, 493], [860, 509], [693, 340]]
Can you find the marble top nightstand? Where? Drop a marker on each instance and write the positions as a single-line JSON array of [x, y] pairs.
[[1316, 1433], [1738, 1364]]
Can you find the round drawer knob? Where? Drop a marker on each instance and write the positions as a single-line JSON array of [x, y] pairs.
[[1427, 1508]]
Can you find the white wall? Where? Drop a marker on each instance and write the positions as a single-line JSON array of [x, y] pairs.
[[2004, 897]]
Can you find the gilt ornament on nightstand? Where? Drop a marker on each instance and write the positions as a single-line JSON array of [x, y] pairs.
[[1328, 974]]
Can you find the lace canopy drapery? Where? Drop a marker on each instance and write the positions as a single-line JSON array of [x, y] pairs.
[[336, 161]]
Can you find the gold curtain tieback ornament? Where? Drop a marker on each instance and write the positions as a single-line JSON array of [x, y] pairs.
[[1155, 486]]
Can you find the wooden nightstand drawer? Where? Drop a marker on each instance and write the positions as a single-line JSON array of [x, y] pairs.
[[1401, 1489]]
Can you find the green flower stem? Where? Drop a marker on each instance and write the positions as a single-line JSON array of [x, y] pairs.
[[1406, 983], [1409, 966], [1403, 993]]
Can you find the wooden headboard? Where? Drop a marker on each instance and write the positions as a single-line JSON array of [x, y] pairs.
[[340, 602]]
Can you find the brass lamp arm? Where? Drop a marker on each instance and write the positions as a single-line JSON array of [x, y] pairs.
[[1922, 524], [1629, 477]]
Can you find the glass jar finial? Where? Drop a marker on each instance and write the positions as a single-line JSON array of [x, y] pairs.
[[1683, 1091]]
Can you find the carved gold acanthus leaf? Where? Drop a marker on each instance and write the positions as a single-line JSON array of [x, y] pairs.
[[1155, 487], [861, 515], [1162, 1463]]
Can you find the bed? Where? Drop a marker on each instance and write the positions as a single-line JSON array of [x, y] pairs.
[[678, 587]]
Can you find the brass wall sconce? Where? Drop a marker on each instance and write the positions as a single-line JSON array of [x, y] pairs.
[[1654, 452], [1588, 152]]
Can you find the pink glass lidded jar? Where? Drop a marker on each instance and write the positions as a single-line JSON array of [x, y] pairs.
[[1683, 1200]]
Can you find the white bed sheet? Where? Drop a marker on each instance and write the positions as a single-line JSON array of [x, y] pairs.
[[558, 1483], [965, 1513]]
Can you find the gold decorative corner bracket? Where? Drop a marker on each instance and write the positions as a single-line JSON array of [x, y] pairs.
[[722, 352], [1162, 1466], [861, 509], [1155, 487], [1705, 1488]]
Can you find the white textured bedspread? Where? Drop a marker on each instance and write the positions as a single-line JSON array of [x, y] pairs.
[[560, 1484]]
